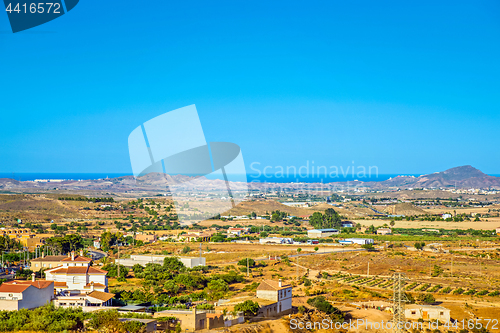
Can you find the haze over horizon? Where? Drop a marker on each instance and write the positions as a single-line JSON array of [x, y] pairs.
[[409, 89]]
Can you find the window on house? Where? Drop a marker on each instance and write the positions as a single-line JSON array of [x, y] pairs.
[[441, 313], [413, 312]]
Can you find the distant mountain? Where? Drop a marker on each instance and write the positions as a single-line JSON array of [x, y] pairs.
[[461, 177]]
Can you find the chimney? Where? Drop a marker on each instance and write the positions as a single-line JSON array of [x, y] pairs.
[[72, 255], [32, 277], [43, 254], [279, 283], [69, 255], [81, 252], [92, 286], [194, 310]]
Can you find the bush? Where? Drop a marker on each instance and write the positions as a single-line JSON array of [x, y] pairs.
[[249, 308], [426, 298], [320, 303], [243, 262]]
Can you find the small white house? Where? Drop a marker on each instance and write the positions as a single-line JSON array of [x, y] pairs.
[[427, 312], [384, 231], [16, 295], [347, 224], [277, 292], [446, 216], [360, 241]]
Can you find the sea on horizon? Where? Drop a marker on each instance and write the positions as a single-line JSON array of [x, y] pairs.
[[26, 176]]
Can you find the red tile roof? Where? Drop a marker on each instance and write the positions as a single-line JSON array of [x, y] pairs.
[[18, 286], [100, 295], [272, 285], [96, 284], [49, 258], [77, 259], [74, 270]]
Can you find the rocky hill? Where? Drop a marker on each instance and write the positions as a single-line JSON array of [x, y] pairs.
[[460, 177]]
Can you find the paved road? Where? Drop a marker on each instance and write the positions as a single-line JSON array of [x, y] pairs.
[[96, 254], [308, 254]]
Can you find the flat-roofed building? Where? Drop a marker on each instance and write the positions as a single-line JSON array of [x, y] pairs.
[[384, 231], [91, 299], [360, 241], [143, 260], [322, 233], [427, 312], [150, 324]]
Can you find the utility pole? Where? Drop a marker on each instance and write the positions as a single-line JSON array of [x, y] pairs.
[[368, 270], [451, 273], [399, 299], [118, 261], [248, 269]]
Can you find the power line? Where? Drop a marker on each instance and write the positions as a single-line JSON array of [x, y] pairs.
[[398, 302]]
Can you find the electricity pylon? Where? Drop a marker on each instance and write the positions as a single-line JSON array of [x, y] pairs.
[[398, 302]]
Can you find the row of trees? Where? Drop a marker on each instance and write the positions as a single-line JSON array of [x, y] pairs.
[[49, 318], [65, 244], [331, 219], [161, 283], [86, 199]]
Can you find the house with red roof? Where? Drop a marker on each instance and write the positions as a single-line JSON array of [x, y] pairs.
[[77, 274], [22, 294]]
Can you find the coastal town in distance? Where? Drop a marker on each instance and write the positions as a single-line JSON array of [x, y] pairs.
[[108, 255]]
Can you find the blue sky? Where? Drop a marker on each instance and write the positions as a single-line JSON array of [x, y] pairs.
[[408, 87]]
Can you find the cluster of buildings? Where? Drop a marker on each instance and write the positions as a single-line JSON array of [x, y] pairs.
[[145, 259], [274, 299], [70, 281], [27, 238]]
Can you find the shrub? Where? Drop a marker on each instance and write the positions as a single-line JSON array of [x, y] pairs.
[[249, 308]]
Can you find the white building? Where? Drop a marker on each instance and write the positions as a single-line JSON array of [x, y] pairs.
[[360, 241], [77, 274], [348, 224], [446, 216], [16, 295], [88, 300], [237, 231], [272, 240], [384, 231], [322, 233], [276, 291], [143, 260], [427, 312]]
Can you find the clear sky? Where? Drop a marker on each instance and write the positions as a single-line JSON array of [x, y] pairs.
[[409, 87]]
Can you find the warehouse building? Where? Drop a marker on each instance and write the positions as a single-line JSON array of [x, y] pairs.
[[360, 241], [322, 233]]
